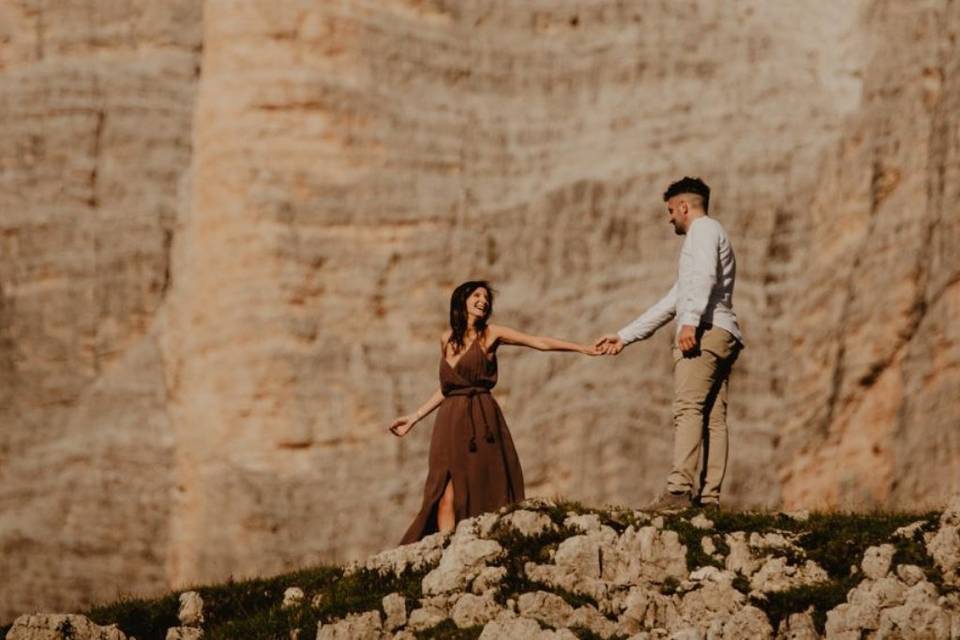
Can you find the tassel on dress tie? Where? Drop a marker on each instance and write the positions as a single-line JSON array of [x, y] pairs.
[[471, 393]]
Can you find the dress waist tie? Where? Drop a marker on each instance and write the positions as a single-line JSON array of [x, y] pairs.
[[471, 393]]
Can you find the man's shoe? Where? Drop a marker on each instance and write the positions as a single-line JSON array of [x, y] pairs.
[[700, 503], [668, 501], [709, 508]]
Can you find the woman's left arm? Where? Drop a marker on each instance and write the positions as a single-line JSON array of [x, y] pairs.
[[506, 335]]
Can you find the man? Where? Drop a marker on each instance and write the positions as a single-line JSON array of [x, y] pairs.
[[707, 344]]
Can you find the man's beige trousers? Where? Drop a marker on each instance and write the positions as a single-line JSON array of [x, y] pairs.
[[700, 381]]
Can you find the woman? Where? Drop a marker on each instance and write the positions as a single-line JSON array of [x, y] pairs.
[[473, 464]]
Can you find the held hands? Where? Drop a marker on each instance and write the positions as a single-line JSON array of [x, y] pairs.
[[402, 425], [590, 350], [609, 345]]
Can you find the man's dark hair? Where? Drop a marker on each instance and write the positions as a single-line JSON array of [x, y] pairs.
[[689, 185]]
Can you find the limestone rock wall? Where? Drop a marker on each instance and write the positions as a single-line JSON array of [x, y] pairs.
[[230, 232], [96, 106], [876, 277]]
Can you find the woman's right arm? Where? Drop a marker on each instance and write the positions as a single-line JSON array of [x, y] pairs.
[[403, 424]]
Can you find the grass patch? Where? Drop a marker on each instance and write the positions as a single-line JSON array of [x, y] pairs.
[[557, 509], [741, 583], [583, 633], [272, 623], [364, 591], [621, 519], [251, 609], [724, 522], [836, 541], [554, 508], [792, 555], [252, 601], [670, 586], [521, 549], [822, 597], [753, 522], [720, 542], [524, 548], [447, 630], [913, 551], [691, 537], [145, 619], [514, 586]]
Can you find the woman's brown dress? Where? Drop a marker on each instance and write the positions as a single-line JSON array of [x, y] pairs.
[[471, 445]]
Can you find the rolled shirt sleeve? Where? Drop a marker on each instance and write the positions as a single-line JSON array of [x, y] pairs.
[[652, 319]]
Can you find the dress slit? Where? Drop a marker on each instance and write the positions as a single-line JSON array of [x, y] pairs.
[[485, 472]]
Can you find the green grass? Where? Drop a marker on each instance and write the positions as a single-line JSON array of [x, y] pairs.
[[914, 551], [741, 583], [251, 609], [692, 537], [670, 586], [821, 597], [587, 634], [836, 541], [522, 549], [447, 630]]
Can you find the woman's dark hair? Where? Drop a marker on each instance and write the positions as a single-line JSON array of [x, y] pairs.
[[458, 311]]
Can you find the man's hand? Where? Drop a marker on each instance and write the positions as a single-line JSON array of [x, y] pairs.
[[687, 339], [609, 345]]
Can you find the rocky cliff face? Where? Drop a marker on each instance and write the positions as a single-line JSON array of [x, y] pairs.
[[230, 231], [96, 126], [872, 377]]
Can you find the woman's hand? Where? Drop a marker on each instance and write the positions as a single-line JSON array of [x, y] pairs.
[[402, 425], [590, 350], [609, 345]]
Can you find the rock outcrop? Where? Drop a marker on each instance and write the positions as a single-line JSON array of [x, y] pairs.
[[656, 589], [61, 627], [613, 574], [491, 580], [230, 230]]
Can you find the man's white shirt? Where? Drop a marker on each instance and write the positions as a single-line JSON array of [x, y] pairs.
[[703, 292]]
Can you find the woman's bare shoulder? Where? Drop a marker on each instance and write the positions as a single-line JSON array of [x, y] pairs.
[[495, 333], [499, 330]]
